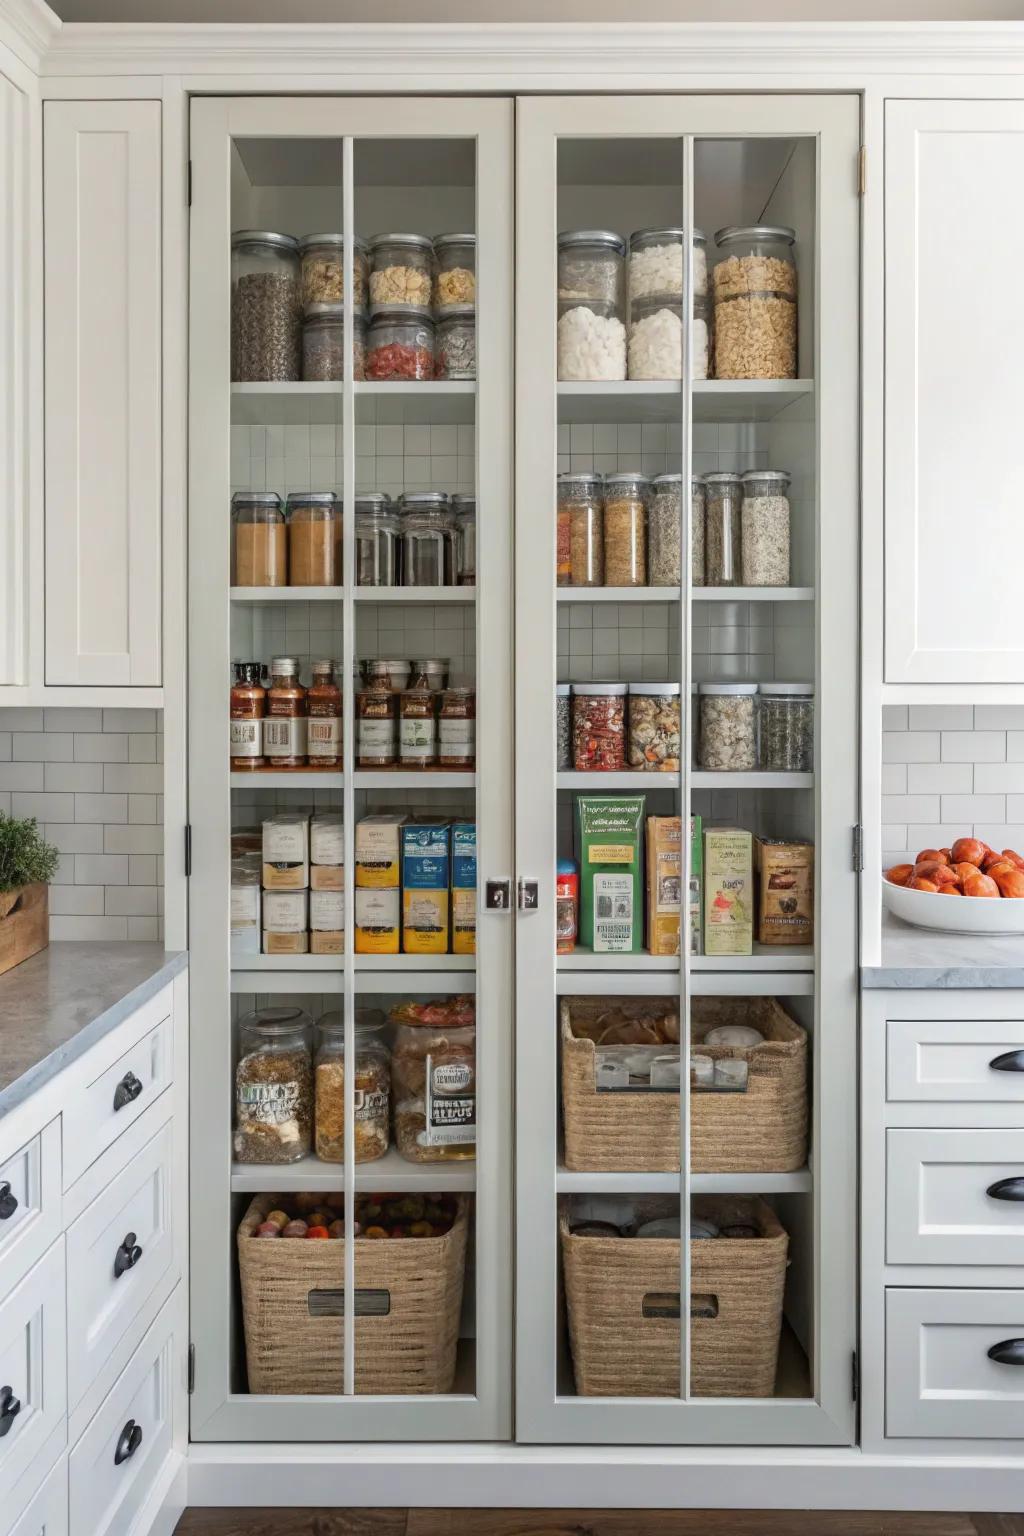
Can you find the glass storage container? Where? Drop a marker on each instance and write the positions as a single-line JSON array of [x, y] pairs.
[[401, 270], [323, 343], [455, 344], [376, 725], [432, 672], [591, 269], [323, 270], [765, 528], [697, 531], [665, 531], [563, 727], [656, 338], [259, 540], [599, 727], [723, 499], [433, 1071], [591, 341], [417, 730], [266, 307], [580, 546], [625, 530], [456, 729], [285, 723], [786, 727], [728, 728], [314, 539], [454, 271], [248, 701], [323, 717], [372, 1090], [274, 1086], [400, 344], [377, 543], [428, 540], [464, 512], [654, 727], [755, 288], [656, 263]]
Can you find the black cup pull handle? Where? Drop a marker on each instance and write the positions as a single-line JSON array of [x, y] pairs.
[[8, 1201], [1006, 1189], [1008, 1352], [128, 1442], [127, 1256], [10, 1407], [127, 1091], [1009, 1061]]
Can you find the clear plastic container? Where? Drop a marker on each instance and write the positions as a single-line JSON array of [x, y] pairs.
[[580, 548], [464, 512], [372, 1090], [755, 288], [400, 343], [625, 530], [591, 269], [454, 271], [455, 344], [377, 541], [428, 540], [563, 727], [323, 343], [765, 525], [728, 727], [401, 270], [654, 727], [433, 1074], [591, 341], [599, 727], [656, 262], [259, 539], [314, 539], [723, 500], [697, 531], [665, 531], [266, 307], [786, 727], [323, 266], [274, 1086]]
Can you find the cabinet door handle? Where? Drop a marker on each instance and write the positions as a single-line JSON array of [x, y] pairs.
[[127, 1091], [1006, 1189], [127, 1256], [8, 1202], [1008, 1352], [10, 1407], [1009, 1061], [128, 1442]]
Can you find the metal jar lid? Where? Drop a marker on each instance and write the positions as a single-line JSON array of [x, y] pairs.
[[655, 690], [333, 313], [284, 666], [311, 499], [256, 498], [722, 477], [424, 501], [308, 241], [464, 502], [626, 477], [402, 314], [264, 237], [675, 232], [580, 477], [373, 501], [463, 313], [411, 242], [568, 238], [745, 689], [781, 690], [441, 241], [666, 480], [601, 690], [766, 474], [736, 232]]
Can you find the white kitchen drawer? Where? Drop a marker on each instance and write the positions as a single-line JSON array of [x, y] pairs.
[[32, 1365], [119, 1089], [29, 1204], [118, 1251], [47, 1515], [954, 1197], [109, 1482], [941, 1061], [940, 1382]]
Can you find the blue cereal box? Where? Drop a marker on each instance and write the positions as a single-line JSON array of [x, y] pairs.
[[426, 864], [464, 887]]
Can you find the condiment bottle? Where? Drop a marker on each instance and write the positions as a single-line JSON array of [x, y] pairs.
[[418, 727], [457, 729], [323, 704], [284, 728], [248, 706], [376, 744]]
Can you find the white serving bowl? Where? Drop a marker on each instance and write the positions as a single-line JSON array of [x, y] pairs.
[[955, 914]]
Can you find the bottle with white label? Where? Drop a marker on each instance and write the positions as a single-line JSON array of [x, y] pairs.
[[418, 727], [323, 708], [284, 728], [248, 706], [457, 729], [377, 730]]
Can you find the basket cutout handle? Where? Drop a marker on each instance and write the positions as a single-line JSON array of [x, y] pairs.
[[662, 1305], [369, 1303]]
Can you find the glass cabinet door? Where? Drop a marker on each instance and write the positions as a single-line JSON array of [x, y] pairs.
[[350, 694], [686, 728]]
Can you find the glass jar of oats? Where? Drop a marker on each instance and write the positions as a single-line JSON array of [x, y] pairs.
[[764, 535]]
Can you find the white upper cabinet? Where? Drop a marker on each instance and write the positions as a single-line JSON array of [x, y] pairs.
[[102, 293], [954, 392]]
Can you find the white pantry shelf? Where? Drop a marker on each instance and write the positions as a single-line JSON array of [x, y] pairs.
[[618, 594], [661, 400], [296, 778], [415, 594], [426, 963], [567, 1183], [388, 1173], [421, 778], [287, 594], [753, 594], [598, 783], [250, 974], [766, 957], [298, 402]]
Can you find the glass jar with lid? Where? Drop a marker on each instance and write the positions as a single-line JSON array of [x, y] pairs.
[[591, 341], [591, 269], [755, 289], [417, 730], [728, 727], [456, 729], [580, 546], [464, 512], [428, 540], [434, 1075], [323, 343], [654, 727], [259, 540], [401, 270], [764, 520], [599, 727], [314, 539], [723, 500], [431, 672], [285, 721], [455, 343], [454, 271], [377, 546], [656, 262], [323, 267], [323, 717], [372, 1089], [625, 530], [266, 307], [665, 531], [656, 338], [400, 343], [274, 1086], [697, 531], [786, 727], [377, 725], [391, 672]]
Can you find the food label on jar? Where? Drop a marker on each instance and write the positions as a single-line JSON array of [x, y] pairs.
[[247, 738], [268, 1103], [376, 737], [284, 736], [450, 1104], [323, 737], [417, 740], [371, 1106], [458, 737], [613, 912]]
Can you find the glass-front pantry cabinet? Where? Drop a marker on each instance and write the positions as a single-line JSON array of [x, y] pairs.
[[523, 737]]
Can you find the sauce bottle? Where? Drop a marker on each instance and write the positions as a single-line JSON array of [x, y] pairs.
[[284, 728], [323, 705], [248, 706]]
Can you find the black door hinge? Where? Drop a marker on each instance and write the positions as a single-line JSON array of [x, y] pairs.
[[858, 849], [854, 1377], [190, 184], [191, 1369], [188, 850]]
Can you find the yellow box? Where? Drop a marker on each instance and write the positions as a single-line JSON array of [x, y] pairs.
[[464, 922], [425, 921]]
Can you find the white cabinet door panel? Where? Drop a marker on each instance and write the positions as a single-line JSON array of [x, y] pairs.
[[47, 1515], [120, 1093], [954, 399], [940, 1381], [102, 297], [33, 1385], [944, 1061], [29, 1204], [954, 1197]]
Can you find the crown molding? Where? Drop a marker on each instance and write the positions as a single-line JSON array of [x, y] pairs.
[[517, 54], [28, 28]]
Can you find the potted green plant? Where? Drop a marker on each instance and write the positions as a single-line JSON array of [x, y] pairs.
[[27, 863]]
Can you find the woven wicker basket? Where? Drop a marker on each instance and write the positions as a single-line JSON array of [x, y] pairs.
[[618, 1351], [409, 1348], [763, 1130]]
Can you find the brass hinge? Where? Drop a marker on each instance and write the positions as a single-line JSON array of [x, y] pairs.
[[862, 170], [191, 1369]]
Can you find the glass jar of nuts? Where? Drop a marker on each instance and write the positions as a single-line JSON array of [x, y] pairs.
[[372, 1089]]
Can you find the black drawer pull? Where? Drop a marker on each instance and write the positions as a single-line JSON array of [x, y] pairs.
[[128, 1442], [1008, 1352], [1006, 1189], [127, 1091], [1009, 1061], [10, 1407], [8, 1202], [127, 1256]]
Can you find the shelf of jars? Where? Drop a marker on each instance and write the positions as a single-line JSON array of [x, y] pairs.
[[323, 974], [667, 1183], [721, 400], [390, 1173]]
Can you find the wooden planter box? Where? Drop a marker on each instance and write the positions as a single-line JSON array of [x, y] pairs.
[[25, 927]]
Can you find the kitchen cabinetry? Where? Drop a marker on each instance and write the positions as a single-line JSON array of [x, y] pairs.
[[103, 305], [950, 495]]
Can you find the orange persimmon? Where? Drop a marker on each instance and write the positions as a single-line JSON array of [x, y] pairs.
[[980, 885], [968, 850], [919, 883], [900, 874], [1011, 884]]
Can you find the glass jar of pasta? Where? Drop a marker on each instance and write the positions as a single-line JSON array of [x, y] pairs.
[[625, 530], [372, 1090]]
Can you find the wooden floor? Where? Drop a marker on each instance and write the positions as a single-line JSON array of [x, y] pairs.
[[582, 1522]]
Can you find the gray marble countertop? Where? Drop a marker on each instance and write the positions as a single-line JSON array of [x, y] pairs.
[[918, 957], [56, 1005]]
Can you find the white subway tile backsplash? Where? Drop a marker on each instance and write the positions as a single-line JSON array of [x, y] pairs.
[[941, 717], [909, 808], [894, 778], [84, 777], [133, 778], [131, 840], [999, 778], [43, 807], [999, 717], [130, 720], [88, 928], [1015, 746], [43, 746], [973, 746], [910, 747], [941, 778], [131, 900], [21, 776], [972, 808], [75, 837]]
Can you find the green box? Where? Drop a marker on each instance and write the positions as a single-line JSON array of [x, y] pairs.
[[610, 831]]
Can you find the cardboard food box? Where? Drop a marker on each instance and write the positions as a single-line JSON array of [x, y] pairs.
[[286, 852], [785, 890], [426, 882], [696, 883], [610, 833], [379, 850], [464, 888], [728, 891], [327, 852], [378, 919], [664, 884]]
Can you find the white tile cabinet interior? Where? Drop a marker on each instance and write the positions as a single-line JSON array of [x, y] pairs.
[[93, 1331]]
